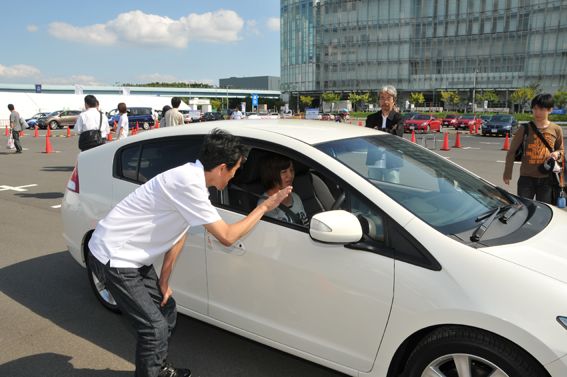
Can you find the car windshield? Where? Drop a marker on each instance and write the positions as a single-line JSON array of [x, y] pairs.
[[501, 118], [439, 192], [451, 116], [55, 113], [467, 116], [420, 117]]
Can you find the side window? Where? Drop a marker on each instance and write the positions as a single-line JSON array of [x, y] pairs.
[[146, 111], [141, 162]]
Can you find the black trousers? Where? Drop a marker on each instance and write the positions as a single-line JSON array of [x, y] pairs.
[[540, 188], [138, 296], [16, 137]]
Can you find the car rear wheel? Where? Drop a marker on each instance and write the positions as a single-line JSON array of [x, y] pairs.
[[146, 126], [53, 125], [101, 292], [459, 351]]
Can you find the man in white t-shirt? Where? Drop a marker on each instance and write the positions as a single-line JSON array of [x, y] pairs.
[[92, 118], [236, 114], [152, 222]]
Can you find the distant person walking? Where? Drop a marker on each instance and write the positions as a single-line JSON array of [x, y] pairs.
[[534, 182], [236, 114], [92, 119], [163, 121], [123, 125], [16, 127], [173, 117]]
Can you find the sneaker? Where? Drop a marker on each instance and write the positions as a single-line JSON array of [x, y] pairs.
[[167, 370]]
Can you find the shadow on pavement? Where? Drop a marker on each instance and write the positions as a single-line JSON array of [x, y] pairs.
[[52, 364], [42, 195]]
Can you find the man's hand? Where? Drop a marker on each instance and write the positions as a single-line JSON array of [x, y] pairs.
[[275, 200], [506, 180], [166, 292]]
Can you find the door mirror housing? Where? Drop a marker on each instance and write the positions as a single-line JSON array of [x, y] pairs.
[[335, 227]]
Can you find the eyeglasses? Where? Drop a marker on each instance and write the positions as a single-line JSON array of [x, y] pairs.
[[387, 99]]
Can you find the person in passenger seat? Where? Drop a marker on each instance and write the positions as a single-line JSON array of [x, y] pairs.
[[277, 172]]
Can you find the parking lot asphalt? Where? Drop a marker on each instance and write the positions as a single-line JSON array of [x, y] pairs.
[[50, 322]]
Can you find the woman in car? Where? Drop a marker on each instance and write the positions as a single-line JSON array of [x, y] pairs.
[[276, 172]]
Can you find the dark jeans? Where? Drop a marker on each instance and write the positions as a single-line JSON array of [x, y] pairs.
[[541, 188], [16, 137], [138, 296]]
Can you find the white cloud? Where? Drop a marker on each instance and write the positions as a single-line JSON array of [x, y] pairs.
[[32, 28], [137, 27], [18, 70], [273, 23], [86, 80], [252, 27]]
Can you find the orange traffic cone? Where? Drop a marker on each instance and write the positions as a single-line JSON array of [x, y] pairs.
[[137, 128], [360, 123], [457, 140], [48, 148], [35, 132], [48, 134], [506, 145], [445, 146], [413, 136], [157, 124], [109, 136], [68, 131], [22, 134], [7, 133]]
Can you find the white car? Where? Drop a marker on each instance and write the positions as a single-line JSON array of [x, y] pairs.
[[410, 266], [257, 116]]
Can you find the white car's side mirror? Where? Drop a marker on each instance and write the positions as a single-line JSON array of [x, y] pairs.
[[335, 227]]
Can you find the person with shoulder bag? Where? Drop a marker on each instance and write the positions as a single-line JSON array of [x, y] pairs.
[[16, 127], [543, 151], [92, 126]]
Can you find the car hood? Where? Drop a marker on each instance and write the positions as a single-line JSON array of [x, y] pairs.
[[545, 253]]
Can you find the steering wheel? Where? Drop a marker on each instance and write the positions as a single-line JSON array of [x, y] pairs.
[[338, 202]]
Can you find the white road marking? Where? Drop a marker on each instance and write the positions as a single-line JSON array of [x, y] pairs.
[[57, 206], [470, 148], [15, 188], [503, 162]]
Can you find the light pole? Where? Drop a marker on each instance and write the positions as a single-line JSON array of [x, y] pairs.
[[228, 86], [474, 91]]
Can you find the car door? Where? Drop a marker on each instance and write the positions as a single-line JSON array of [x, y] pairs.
[[135, 164], [329, 301]]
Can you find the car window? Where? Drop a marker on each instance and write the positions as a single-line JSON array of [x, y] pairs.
[[142, 161]]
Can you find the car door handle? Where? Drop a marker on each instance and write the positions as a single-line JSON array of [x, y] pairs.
[[237, 248]]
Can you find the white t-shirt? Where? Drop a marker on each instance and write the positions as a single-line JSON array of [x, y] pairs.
[[237, 115], [149, 221], [90, 120], [296, 208], [122, 128]]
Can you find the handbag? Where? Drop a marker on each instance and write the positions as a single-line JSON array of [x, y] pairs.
[[91, 138], [519, 154], [10, 144]]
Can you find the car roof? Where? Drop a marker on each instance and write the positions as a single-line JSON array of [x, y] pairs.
[[307, 131]]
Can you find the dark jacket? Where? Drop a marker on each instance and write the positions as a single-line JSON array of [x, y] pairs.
[[393, 122]]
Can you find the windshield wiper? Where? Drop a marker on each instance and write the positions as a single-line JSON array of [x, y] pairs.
[[479, 232]]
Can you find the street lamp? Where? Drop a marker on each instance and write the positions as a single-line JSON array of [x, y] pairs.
[[228, 86], [474, 91]]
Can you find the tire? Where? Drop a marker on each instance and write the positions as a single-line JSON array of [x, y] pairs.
[[102, 294], [146, 126], [479, 352], [53, 125]]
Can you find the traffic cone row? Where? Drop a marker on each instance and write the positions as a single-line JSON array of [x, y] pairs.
[[506, 145], [48, 148]]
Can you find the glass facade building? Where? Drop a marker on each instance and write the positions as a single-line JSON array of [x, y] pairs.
[[423, 45]]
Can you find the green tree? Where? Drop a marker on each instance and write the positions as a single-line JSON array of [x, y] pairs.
[[417, 98], [521, 96], [330, 97], [487, 95], [560, 98], [216, 103], [358, 98], [450, 99], [306, 101]]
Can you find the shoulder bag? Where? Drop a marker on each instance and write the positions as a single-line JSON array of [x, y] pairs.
[[91, 138], [520, 151]]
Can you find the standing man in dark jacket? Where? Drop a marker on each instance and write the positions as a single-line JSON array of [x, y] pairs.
[[387, 119], [16, 127]]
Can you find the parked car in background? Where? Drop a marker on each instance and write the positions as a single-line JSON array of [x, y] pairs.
[[438, 273], [485, 118], [59, 119], [467, 120], [327, 116], [32, 122], [501, 124], [191, 116], [212, 115], [141, 116], [422, 123], [450, 120]]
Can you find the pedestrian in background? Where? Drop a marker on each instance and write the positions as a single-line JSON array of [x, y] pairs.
[[123, 126], [387, 119], [163, 121], [165, 208], [173, 117], [236, 114], [16, 127], [533, 181], [92, 119]]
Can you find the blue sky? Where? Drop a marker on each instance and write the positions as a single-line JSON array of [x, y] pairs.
[[108, 42]]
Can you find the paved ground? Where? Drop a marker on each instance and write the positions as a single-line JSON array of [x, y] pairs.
[[50, 323]]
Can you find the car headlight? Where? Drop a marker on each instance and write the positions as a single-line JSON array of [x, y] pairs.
[[562, 321], [507, 127]]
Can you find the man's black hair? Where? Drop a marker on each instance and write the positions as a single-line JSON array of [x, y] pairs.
[[10, 107], [175, 102], [221, 147], [271, 168], [90, 101], [543, 100]]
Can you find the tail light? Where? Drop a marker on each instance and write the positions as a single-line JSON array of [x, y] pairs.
[[73, 184]]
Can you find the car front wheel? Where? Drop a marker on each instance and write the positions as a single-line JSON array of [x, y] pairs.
[[100, 290], [146, 126], [53, 125], [460, 351]]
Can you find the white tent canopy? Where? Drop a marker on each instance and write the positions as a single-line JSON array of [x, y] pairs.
[[27, 104]]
